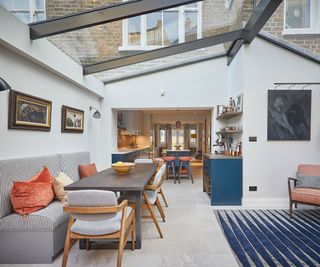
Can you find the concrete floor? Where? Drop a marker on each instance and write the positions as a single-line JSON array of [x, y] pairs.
[[192, 236]]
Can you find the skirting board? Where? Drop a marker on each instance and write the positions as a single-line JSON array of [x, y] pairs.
[[272, 203]]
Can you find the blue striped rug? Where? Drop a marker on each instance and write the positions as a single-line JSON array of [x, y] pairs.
[[271, 238]]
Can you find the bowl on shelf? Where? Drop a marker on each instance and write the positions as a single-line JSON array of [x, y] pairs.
[[123, 168]]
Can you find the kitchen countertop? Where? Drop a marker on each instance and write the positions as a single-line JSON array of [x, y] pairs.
[[220, 156], [125, 150]]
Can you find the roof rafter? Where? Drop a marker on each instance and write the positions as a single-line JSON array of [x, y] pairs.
[[101, 15]]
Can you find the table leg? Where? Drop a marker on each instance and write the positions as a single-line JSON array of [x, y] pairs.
[[138, 219]]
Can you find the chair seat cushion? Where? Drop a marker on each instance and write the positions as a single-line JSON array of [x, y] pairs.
[[44, 220], [306, 195], [152, 196], [99, 227]]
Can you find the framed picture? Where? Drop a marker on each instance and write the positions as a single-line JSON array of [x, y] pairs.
[[289, 114], [27, 112], [239, 103], [72, 120]]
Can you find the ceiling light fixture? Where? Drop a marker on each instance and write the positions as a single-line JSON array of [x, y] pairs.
[[178, 123]]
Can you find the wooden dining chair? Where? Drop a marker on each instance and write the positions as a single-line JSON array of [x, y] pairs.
[[161, 192], [95, 214]]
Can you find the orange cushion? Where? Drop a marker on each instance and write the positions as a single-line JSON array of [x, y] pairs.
[[185, 159], [34, 194], [306, 195], [168, 158], [87, 170], [309, 169]]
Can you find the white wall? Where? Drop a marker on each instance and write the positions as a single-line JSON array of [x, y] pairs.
[[29, 78], [267, 164], [199, 86]]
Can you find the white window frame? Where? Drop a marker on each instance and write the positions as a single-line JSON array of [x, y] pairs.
[[314, 20], [143, 26], [32, 10]]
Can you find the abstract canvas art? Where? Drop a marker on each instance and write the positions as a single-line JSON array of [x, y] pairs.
[[289, 114]]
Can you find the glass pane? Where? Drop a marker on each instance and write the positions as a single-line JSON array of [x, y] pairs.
[[163, 136], [6, 4], [171, 27], [40, 4], [192, 5], [40, 16], [191, 25], [154, 29], [298, 14], [21, 4], [134, 25], [24, 16]]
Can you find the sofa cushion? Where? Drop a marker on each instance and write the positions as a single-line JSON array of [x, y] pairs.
[[69, 163], [306, 195], [87, 170], [99, 227], [306, 181], [309, 169], [59, 182], [34, 194], [21, 170], [45, 220]]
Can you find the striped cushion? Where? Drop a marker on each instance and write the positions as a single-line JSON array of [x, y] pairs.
[[306, 195], [45, 220], [69, 163], [21, 170]]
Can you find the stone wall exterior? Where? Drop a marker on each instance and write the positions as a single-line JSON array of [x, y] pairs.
[[275, 26]]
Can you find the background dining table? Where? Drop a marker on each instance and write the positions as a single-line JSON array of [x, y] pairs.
[[132, 183]]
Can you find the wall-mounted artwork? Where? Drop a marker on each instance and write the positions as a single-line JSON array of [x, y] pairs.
[[28, 112], [239, 103], [72, 120], [289, 114]]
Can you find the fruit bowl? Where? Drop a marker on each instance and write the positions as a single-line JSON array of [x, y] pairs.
[[123, 168]]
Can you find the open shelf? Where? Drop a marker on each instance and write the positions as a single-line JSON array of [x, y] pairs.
[[228, 115], [228, 132]]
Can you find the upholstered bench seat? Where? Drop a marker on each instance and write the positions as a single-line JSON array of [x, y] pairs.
[[104, 227], [306, 195], [47, 219]]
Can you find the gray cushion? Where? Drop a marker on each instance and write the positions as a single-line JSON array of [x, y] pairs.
[[152, 196], [21, 170], [44, 220], [92, 198], [99, 227], [307, 181], [69, 163]]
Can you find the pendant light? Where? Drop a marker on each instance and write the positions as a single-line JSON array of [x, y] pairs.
[[178, 123]]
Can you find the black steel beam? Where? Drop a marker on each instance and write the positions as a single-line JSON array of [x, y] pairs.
[[163, 52], [101, 15], [259, 18]]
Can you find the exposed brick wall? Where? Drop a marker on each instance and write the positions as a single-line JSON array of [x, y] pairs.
[[275, 26]]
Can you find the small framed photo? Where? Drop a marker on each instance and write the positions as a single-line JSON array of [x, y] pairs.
[[72, 120], [239, 103], [27, 112]]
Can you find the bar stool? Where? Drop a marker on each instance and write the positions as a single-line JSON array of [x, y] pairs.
[[170, 163], [185, 162]]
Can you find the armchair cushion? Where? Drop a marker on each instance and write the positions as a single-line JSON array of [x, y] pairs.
[[152, 196], [306, 195], [99, 227], [306, 181]]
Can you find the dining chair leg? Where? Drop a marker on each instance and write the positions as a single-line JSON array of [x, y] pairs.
[[152, 214], [163, 197], [290, 209], [160, 209], [190, 171], [67, 244], [121, 248], [180, 170], [167, 171]]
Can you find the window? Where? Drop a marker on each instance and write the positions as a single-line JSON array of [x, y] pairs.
[[193, 137], [163, 28], [302, 17], [163, 136], [26, 10]]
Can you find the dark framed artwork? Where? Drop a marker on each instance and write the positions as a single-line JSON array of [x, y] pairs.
[[72, 120], [27, 112], [289, 114]]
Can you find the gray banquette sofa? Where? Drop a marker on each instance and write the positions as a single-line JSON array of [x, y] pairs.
[[40, 236]]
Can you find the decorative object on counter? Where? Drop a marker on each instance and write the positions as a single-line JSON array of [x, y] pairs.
[[4, 85], [289, 114], [238, 103], [72, 120], [96, 114], [123, 168], [28, 112]]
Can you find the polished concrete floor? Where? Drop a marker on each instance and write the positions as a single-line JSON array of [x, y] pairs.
[[192, 236]]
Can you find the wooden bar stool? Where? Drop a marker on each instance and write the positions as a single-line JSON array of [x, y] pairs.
[[185, 167], [170, 164]]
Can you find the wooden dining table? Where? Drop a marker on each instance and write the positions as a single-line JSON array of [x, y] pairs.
[[132, 183]]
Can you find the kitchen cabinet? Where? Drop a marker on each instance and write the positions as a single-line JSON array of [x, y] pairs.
[[222, 179], [133, 122], [130, 155]]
